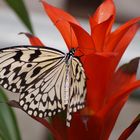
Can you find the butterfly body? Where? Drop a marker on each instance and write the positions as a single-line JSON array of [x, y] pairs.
[[68, 59], [69, 56], [47, 80]]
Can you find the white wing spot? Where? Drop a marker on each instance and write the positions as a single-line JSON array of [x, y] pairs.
[[69, 117], [74, 109], [14, 90], [25, 106], [9, 87], [50, 114], [1, 81], [30, 112], [21, 95], [54, 113], [40, 115], [45, 114], [68, 124], [35, 113], [70, 110], [78, 107], [5, 85], [21, 102]]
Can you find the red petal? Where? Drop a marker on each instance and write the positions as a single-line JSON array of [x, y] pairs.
[[130, 129], [60, 20], [110, 118], [99, 70], [119, 39], [103, 13], [80, 131], [120, 96], [59, 124], [33, 40], [99, 33], [113, 107], [125, 75], [85, 41], [77, 130]]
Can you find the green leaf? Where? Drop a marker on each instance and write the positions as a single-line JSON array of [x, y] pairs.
[[8, 125], [19, 7]]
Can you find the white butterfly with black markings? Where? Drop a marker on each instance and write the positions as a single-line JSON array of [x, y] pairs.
[[48, 80]]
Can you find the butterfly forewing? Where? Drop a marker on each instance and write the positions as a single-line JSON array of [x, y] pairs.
[[20, 66], [39, 75]]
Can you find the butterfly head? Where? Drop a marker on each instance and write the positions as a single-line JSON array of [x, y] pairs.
[[72, 51]]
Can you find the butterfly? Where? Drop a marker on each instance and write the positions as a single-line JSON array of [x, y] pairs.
[[48, 80]]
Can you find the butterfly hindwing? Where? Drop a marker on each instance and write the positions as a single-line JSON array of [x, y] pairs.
[[77, 89]]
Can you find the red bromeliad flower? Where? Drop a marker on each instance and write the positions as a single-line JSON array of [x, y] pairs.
[[107, 88]]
